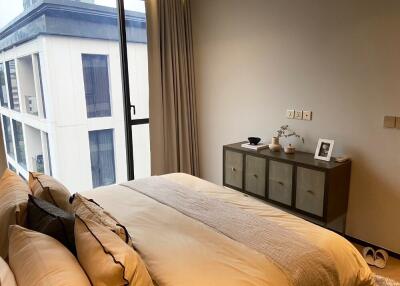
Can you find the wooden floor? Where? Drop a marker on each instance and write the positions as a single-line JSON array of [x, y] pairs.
[[392, 269]]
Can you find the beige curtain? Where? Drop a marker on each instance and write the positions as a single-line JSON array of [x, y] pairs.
[[173, 124]]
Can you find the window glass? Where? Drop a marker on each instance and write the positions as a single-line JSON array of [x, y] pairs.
[[40, 82], [23, 177], [8, 136], [102, 157], [12, 85], [97, 90], [62, 79], [27, 88], [47, 153], [19, 143], [3, 89], [34, 149], [139, 93], [11, 167]]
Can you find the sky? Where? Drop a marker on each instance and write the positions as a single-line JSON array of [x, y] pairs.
[[11, 9]]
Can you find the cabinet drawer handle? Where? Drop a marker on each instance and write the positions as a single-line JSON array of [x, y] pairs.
[[233, 169], [281, 183], [310, 192], [255, 176]]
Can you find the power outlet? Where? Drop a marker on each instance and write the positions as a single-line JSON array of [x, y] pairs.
[[290, 113], [298, 114], [307, 115]]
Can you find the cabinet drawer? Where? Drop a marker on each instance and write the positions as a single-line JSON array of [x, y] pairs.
[[280, 182], [255, 175], [310, 191], [234, 169]]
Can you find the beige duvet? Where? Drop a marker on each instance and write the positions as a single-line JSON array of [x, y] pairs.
[[181, 251]]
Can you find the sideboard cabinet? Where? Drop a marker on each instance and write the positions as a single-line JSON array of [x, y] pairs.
[[312, 189]]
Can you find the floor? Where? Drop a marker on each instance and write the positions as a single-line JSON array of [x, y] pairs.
[[392, 269]]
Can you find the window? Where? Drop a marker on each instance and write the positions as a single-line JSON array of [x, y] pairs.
[[97, 90], [39, 71], [19, 143], [8, 136], [27, 89], [102, 157], [12, 85], [62, 83], [12, 168], [3, 90], [47, 153], [23, 177]]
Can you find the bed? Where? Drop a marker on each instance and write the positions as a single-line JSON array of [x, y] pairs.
[[191, 232]]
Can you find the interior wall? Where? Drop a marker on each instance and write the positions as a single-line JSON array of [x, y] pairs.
[[256, 59]]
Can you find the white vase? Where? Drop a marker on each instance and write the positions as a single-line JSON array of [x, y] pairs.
[[275, 146]]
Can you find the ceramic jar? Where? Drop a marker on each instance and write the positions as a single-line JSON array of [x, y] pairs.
[[275, 146]]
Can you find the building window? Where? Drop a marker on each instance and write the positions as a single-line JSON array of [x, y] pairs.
[[12, 85], [47, 150], [23, 177], [8, 136], [102, 157], [97, 89], [39, 69], [26, 81], [19, 143], [3, 89], [12, 168]]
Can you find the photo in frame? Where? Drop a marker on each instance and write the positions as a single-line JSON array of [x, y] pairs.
[[324, 149]]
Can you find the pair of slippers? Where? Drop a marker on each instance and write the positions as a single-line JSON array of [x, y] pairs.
[[377, 258]]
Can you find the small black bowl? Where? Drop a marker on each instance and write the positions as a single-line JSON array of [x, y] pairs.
[[254, 140]]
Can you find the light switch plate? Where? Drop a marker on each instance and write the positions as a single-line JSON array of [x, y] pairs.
[[389, 122], [290, 113], [298, 114], [307, 115], [398, 122]]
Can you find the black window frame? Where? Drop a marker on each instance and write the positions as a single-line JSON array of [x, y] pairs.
[[129, 109]]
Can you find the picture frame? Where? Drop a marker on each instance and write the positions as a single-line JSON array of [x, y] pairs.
[[324, 149]]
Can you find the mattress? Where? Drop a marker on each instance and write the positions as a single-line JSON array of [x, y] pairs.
[[182, 250]]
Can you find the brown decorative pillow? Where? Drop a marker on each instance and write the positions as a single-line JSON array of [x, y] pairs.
[[107, 260], [39, 260], [14, 193], [49, 189], [90, 210], [46, 218], [6, 276]]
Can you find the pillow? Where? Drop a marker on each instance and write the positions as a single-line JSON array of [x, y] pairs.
[[39, 260], [13, 200], [46, 218], [49, 189], [6, 276], [107, 260], [90, 210]]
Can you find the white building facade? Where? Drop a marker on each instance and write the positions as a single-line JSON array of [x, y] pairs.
[[61, 93]]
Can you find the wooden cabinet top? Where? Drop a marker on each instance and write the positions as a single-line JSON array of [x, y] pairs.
[[298, 157]]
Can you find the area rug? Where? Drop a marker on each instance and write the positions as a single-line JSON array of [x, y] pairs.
[[382, 281]]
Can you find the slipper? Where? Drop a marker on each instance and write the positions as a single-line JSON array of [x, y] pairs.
[[381, 258], [369, 255]]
